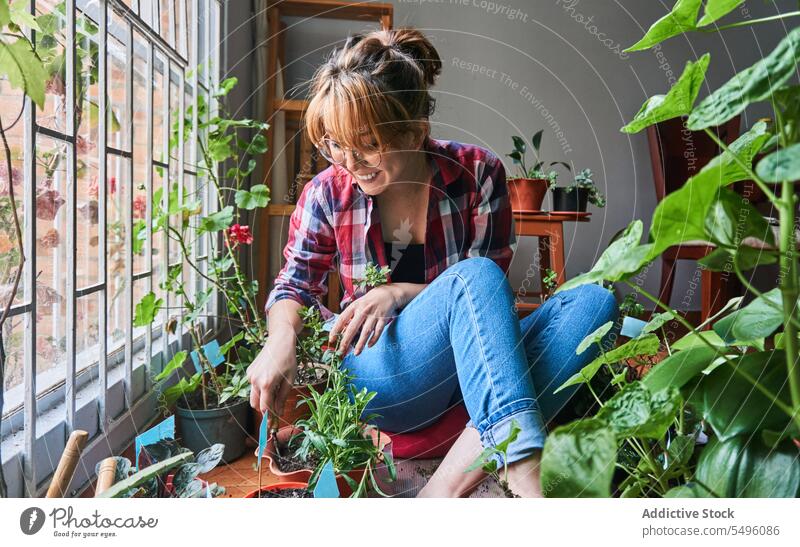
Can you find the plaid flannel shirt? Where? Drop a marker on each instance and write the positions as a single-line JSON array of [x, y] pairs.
[[336, 225]]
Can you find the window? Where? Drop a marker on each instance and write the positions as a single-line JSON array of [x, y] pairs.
[[85, 170]]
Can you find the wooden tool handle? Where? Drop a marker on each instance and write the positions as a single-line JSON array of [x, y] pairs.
[[66, 465], [105, 478]]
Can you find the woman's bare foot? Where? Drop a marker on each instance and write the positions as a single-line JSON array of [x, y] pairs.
[[450, 480]]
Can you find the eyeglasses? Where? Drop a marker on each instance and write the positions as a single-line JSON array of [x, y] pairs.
[[336, 153]]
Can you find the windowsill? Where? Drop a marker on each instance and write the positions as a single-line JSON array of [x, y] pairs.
[[124, 421]]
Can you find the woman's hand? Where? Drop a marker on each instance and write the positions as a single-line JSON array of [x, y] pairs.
[[371, 311], [272, 375]]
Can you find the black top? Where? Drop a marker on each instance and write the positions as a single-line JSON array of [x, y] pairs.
[[410, 268]]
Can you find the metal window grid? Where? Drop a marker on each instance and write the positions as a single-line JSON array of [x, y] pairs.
[[136, 16]]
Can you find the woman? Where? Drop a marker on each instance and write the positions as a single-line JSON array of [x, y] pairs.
[[445, 327]]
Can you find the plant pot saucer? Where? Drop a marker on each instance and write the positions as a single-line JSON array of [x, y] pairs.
[[578, 214]]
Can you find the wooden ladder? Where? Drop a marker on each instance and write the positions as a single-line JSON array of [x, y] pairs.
[[294, 109]]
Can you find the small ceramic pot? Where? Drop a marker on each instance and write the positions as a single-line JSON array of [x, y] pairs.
[[570, 199]]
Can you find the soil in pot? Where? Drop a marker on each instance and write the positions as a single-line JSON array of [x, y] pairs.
[[286, 459], [526, 194], [570, 198]]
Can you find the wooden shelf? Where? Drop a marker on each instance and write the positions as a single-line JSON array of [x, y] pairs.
[[280, 210], [335, 9]]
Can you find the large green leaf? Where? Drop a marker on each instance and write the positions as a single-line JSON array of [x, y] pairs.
[[730, 219], [622, 259], [644, 345], [733, 406], [146, 310], [758, 319], [744, 466], [677, 369], [637, 412], [594, 338], [23, 68], [751, 85], [677, 102], [682, 18], [215, 222], [257, 196], [174, 364], [716, 9], [782, 164], [578, 460], [718, 465], [768, 472], [681, 215], [5, 13]]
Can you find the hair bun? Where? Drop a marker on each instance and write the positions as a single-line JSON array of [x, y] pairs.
[[413, 43]]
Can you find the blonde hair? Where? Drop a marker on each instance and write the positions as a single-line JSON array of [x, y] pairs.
[[377, 82]]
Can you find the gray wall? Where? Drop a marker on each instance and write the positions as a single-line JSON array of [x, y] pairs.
[[557, 65]]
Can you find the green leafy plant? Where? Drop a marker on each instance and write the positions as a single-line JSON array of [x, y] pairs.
[[724, 382], [584, 179], [373, 277], [310, 346], [221, 138], [537, 170], [549, 283], [336, 430], [164, 458], [487, 462]]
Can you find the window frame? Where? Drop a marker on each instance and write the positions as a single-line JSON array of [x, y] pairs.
[[113, 397]]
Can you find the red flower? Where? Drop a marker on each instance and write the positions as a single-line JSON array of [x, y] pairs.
[[139, 206], [239, 234]]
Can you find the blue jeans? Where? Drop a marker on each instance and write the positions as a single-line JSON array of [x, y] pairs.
[[461, 337]]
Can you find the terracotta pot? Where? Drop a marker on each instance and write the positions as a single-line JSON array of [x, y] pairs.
[[278, 486], [527, 194], [304, 475], [291, 412]]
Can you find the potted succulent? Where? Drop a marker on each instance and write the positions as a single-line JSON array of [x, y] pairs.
[[574, 198], [527, 191]]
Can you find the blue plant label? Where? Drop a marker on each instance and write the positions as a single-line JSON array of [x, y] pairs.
[[632, 327], [263, 436], [164, 430], [326, 483], [212, 353]]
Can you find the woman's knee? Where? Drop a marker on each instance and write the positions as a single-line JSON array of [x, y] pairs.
[[597, 301], [479, 271]]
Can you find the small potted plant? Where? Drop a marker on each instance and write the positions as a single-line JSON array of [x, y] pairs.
[[311, 372], [527, 191], [574, 198], [167, 470], [336, 430]]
